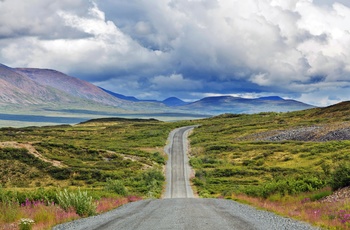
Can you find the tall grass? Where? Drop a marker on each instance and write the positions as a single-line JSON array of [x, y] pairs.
[[80, 201], [46, 215]]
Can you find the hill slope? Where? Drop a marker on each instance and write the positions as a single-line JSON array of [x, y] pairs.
[[19, 89], [262, 147], [120, 96], [70, 85]]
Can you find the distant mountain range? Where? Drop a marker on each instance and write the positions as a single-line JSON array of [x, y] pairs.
[[37, 91]]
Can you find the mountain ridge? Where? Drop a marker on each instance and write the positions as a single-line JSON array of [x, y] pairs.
[[230, 104], [50, 91], [170, 101]]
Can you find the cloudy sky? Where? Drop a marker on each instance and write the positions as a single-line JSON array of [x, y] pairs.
[[154, 49]]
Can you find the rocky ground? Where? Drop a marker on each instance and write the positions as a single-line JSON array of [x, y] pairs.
[[319, 133], [339, 195]]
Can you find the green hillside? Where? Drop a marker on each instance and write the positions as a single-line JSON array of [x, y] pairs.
[[270, 153], [86, 155]]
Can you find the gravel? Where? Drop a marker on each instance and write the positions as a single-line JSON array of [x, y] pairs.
[[186, 213], [339, 135]]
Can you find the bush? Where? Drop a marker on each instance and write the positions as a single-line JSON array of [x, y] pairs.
[[157, 157], [80, 201], [340, 178], [116, 186], [285, 186], [320, 195], [153, 180]]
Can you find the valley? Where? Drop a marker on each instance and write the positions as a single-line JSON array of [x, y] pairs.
[[293, 160]]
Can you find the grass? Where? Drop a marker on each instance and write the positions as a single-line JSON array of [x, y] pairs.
[[45, 216]]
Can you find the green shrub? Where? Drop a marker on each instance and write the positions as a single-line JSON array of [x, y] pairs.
[[116, 186], [153, 180], [285, 186], [340, 178], [196, 162], [157, 157], [320, 195], [80, 201]]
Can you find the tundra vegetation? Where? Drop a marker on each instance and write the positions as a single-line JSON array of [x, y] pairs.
[[283, 162], [55, 174]]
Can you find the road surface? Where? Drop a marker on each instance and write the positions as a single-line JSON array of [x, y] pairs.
[[178, 169], [179, 210]]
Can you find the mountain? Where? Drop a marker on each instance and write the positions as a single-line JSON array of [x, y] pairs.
[[70, 85], [19, 89], [173, 101], [33, 95], [120, 96], [271, 98], [229, 104]]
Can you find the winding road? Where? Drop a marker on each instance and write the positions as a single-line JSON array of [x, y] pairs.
[[179, 210]]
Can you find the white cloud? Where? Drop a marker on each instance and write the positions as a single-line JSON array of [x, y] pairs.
[[261, 79], [103, 47], [326, 96]]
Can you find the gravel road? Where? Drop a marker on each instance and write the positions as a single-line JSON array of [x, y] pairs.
[[178, 169], [181, 211]]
